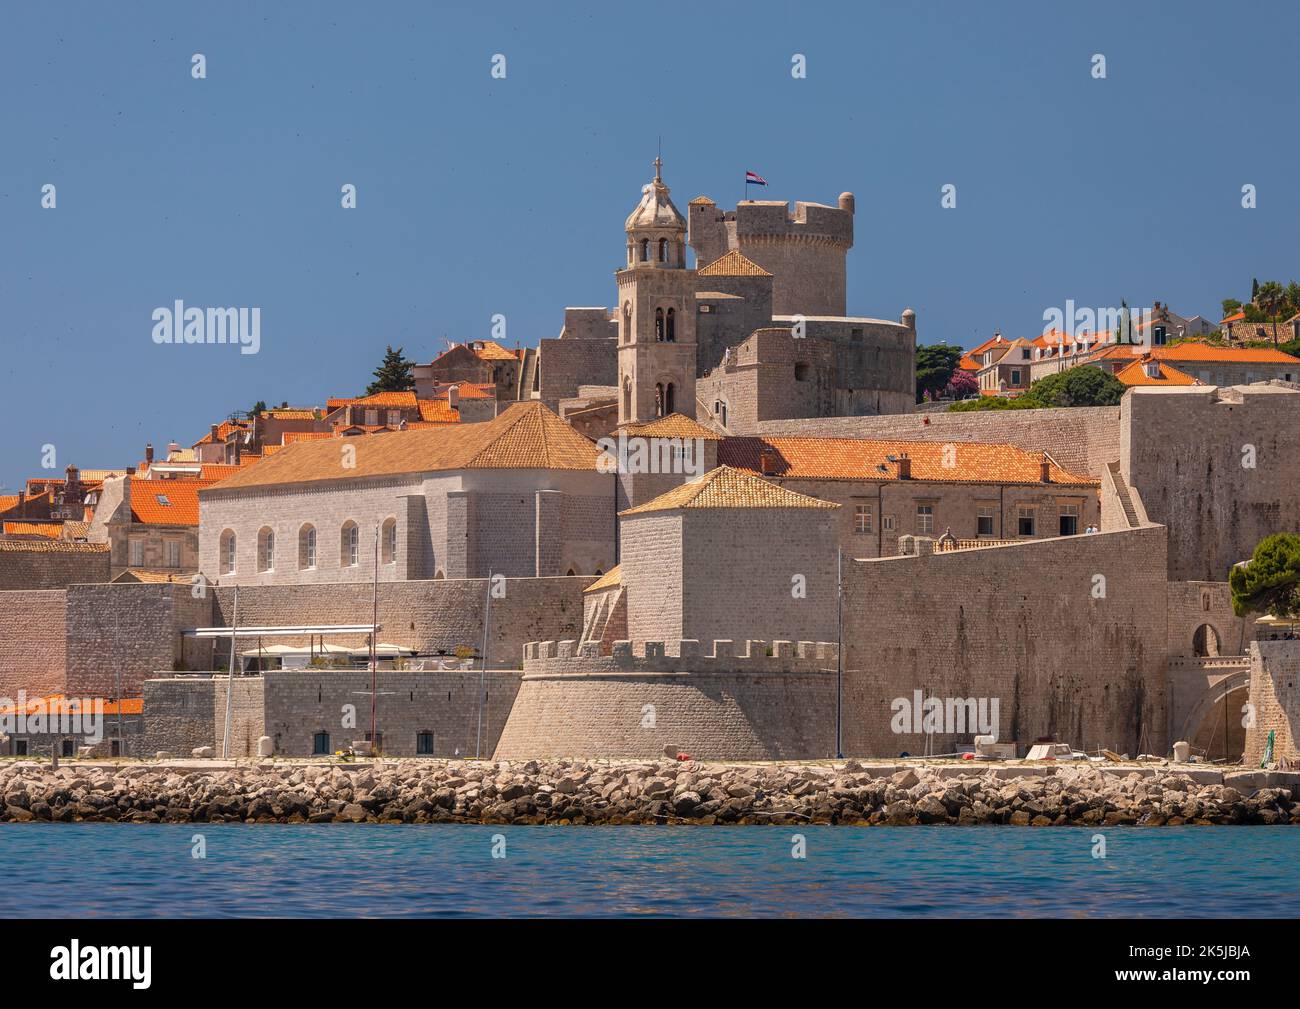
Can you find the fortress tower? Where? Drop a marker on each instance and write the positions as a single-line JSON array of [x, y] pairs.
[[805, 251], [656, 312]]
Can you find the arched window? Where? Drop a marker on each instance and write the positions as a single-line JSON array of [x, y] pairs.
[[388, 541], [669, 399], [659, 399], [598, 572], [627, 397], [626, 334], [349, 545], [438, 575], [645, 250], [227, 551], [659, 325], [572, 572], [672, 325], [720, 411], [266, 549], [307, 547], [663, 250]]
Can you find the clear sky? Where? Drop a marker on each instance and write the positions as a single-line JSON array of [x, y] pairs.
[[479, 196]]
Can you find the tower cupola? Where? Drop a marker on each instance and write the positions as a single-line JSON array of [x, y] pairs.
[[656, 231]]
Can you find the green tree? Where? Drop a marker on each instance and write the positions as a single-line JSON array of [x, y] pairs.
[[1270, 581], [934, 367], [393, 374], [1083, 385], [1230, 306], [258, 408]]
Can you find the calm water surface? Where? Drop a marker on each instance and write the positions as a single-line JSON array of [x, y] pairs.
[[104, 870]]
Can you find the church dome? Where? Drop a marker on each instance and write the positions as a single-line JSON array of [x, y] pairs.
[[656, 210]]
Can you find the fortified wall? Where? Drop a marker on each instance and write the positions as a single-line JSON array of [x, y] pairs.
[[1068, 635], [1274, 701], [746, 700]]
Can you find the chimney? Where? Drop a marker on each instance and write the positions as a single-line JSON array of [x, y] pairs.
[[1045, 469], [130, 471], [22, 504], [905, 467], [172, 448], [148, 453], [767, 461], [216, 437], [453, 397]]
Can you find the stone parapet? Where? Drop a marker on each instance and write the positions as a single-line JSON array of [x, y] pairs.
[[558, 658]]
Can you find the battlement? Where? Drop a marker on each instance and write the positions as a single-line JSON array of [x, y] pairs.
[[549, 658], [755, 220]]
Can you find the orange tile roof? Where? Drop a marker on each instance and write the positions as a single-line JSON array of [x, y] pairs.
[[1136, 374], [675, 425], [726, 487], [290, 437], [394, 399], [1235, 317], [290, 414], [1207, 352], [524, 436], [54, 530], [8, 501], [268, 450], [48, 546], [438, 411], [733, 264], [58, 704], [223, 432], [161, 577], [701, 200], [168, 502], [862, 459], [612, 577], [470, 390]]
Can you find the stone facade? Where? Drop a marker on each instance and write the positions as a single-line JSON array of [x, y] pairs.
[[33, 645], [32, 563], [1217, 466], [1024, 624], [1274, 700]]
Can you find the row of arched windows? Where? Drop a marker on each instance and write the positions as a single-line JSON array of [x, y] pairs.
[[349, 547], [646, 248]]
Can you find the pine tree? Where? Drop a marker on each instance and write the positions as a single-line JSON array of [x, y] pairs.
[[393, 374]]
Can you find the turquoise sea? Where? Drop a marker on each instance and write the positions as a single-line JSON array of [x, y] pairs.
[[332, 870]]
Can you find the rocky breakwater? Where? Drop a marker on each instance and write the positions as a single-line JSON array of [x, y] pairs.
[[600, 792]]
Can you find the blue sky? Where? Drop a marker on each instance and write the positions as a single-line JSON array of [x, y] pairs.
[[479, 196]]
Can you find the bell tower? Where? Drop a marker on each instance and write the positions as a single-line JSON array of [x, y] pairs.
[[656, 313]]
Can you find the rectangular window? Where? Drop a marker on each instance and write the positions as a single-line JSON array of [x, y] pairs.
[[69, 747], [862, 519], [424, 744], [1015, 377], [1159, 338], [137, 553], [320, 744], [394, 418], [310, 558], [1069, 520], [887, 523], [984, 522], [372, 418], [925, 519], [20, 747], [1025, 522], [173, 553]]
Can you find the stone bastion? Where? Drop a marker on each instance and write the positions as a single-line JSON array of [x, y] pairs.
[[740, 700]]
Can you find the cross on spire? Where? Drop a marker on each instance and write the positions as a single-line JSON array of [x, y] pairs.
[[659, 164]]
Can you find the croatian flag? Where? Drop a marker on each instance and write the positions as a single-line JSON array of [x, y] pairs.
[[754, 179]]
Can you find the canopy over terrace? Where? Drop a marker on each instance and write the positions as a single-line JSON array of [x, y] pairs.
[[313, 632]]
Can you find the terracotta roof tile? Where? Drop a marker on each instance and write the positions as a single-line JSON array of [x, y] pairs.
[[167, 502], [733, 264], [725, 487], [1136, 374], [524, 436], [862, 459], [438, 411], [52, 530], [612, 577], [1207, 352], [223, 431], [59, 704], [48, 546], [675, 425]]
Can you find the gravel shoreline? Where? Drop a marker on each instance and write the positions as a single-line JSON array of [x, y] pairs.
[[642, 792]]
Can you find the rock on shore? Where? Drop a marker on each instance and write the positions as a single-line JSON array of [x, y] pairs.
[[604, 792]]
